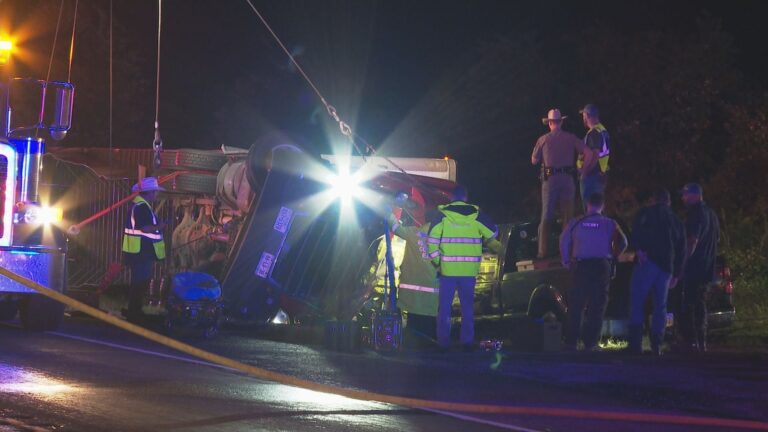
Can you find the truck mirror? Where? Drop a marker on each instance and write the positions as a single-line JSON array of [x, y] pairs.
[[62, 116]]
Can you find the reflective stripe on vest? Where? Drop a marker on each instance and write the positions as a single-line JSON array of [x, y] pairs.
[[418, 288], [468, 240], [132, 236], [150, 236], [461, 258]]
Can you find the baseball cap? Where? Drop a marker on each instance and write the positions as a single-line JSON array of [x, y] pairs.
[[590, 109], [693, 189]]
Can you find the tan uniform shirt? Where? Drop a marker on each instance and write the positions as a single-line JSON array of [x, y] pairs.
[[557, 149]]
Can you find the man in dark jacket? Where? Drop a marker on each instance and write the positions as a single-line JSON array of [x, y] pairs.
[[658, 237], [703, 232]]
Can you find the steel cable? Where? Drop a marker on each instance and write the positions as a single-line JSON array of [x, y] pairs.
[[345, 129]]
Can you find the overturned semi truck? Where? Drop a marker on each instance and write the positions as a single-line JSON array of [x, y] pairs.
[[306, 252]]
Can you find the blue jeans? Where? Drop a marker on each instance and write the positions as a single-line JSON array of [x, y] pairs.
[[590, 184], [465, 285], [648, 278]]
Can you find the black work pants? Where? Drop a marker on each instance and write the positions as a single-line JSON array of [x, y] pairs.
[[141, 276], [693, 319], [588, 296]]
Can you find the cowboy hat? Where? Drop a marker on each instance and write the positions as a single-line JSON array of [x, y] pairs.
[[553, 114], [147, 184]]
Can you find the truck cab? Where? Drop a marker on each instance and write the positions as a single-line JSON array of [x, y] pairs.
[[31, 244]]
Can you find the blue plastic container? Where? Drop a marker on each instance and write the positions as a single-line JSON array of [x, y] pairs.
[[194, 286]]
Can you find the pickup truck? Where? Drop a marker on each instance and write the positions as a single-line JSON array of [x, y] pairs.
[[514, 283]]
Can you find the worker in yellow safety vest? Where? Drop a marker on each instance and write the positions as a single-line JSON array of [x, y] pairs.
[[456, 249], [142, 243], [594, 178], [417, 285]]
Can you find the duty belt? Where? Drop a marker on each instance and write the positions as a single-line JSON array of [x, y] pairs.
[[547, 172]]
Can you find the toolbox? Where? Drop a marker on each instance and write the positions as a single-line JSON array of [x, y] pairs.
[[387, 331]]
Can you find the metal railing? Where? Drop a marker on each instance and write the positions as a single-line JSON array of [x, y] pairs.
[[85, 190]]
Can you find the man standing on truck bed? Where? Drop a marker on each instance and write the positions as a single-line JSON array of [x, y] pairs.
[[588, 246], [142, 243], [658, 237], [456, 248], [556, 151], [703, 232], [594, 178]]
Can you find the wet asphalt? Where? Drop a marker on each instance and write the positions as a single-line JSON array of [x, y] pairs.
[[92, 377]]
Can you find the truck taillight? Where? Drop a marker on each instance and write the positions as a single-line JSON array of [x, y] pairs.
[[727, 281]]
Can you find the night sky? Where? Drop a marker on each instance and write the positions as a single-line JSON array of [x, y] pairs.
[[387, 66]]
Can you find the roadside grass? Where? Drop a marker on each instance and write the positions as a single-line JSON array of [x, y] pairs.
[[613, 344]]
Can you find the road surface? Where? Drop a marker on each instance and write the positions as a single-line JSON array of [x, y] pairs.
[[92, 377]]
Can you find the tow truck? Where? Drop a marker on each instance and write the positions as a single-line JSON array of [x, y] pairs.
[[31, 244]]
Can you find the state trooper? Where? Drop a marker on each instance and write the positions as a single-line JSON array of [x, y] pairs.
[[556, 151], [588, 246]]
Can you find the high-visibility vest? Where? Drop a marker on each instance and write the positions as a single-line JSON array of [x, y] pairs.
[[604, 154], [132, 236], [418, 285], [456, 242]]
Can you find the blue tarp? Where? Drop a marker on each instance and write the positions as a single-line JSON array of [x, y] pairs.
[[194, 286]]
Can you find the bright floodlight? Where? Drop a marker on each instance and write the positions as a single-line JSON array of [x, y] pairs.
[[42, 215], [6, 47], [345, 186]]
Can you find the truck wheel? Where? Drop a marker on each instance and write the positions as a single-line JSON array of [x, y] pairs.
[[544, 299], [259, 160], [209, 160], [39, 313], [8, 309], [197, 183]]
